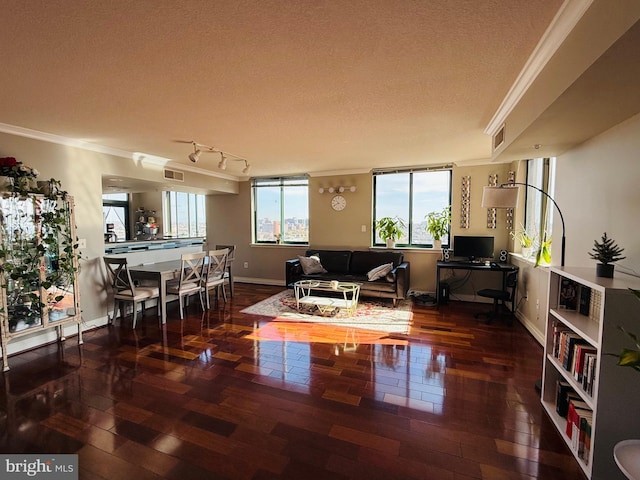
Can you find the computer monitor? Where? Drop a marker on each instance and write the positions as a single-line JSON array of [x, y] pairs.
[[472, 247]]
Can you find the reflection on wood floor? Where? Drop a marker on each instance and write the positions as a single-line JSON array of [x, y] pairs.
[[227, 395]]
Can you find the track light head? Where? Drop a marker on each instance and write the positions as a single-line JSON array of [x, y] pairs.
[[195, 156], [222, 164]]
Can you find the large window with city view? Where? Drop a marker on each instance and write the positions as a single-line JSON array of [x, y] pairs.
[[184, 215], [409, 196], [281, 210]]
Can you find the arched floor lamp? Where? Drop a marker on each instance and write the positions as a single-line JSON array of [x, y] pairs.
[[506, 196]]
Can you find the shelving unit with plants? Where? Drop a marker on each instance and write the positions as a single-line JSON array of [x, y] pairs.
[[585, 333], [38, 260]]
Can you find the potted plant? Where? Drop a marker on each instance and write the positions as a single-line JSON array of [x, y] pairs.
[[438, 225], [543, 257], [30, 259], [390, 229], [630, 357], [525, 239], [606, 253]]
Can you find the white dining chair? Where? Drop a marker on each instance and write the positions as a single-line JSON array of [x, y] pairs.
[[190, 281]]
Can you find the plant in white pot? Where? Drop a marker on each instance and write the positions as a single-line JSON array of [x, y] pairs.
[[606, 253], [438, 225], [525, 239], [390, 229]]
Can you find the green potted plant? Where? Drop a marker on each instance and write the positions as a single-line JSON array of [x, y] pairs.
[[606, 252], [525, 239], [390, 229], [630, 357], [543, 257], [438, 225]]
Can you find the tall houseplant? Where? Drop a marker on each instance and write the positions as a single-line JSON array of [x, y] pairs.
[[390, 229], [606, 252], [31, 258], [438, 225]]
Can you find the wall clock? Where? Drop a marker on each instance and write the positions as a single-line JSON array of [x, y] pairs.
[[338, 202]]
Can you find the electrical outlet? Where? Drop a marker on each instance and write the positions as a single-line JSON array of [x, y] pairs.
[[363, 228], [537, 304], [246, 264], [82, 243], [526, 296]]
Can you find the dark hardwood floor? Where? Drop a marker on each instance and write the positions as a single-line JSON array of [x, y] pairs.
[[209, 398]]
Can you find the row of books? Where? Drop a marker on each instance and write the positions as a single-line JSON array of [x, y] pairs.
[[574, 296], [579, 419], [576, 356]]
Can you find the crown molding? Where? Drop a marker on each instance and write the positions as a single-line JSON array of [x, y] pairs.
[[60, 140], [562, 24], [93, 147]]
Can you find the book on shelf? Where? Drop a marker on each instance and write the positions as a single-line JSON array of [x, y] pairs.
[[594, 305], [558, 329], [564, 394], [580, 351], [584, 302], [577, 410], [568, 295], [589, 372], [570, 340]]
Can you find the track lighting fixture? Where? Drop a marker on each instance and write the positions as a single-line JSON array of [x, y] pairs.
[[199, 148], [195, 156], [222, 164]]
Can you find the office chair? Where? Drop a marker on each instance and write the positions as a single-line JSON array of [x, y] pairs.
[[506, 295]]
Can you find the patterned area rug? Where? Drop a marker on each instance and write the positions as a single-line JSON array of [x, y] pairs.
[[373, 315]]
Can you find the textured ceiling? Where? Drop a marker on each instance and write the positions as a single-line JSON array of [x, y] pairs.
[[293, 86]]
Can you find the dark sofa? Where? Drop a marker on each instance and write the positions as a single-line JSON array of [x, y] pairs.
[[352, 266]]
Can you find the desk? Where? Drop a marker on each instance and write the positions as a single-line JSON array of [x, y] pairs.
[[159, 272], [504, 268]]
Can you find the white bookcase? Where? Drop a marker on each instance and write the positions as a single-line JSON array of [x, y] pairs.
[[616, 390]]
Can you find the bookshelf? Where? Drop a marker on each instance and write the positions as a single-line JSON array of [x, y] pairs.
[[580, 338]]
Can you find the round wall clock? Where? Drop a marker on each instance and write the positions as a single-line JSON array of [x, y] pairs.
[[338, 202]]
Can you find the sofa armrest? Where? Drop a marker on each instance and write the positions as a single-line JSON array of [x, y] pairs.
[[292, 272], [402, 274]]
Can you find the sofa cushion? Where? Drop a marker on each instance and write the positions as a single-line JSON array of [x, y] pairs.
[[362, 261], [379, 272], [334, 261], [311, 264]]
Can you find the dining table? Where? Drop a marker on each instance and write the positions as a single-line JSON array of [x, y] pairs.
[[159, 272]]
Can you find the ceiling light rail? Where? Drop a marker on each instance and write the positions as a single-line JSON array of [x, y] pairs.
[[200, 148]]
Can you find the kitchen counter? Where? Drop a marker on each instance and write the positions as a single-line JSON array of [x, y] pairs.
[[147, 245]]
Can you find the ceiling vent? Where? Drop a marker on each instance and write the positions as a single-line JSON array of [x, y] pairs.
[[173, 175]]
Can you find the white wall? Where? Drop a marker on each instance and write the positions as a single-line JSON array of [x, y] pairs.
[[597, 190]]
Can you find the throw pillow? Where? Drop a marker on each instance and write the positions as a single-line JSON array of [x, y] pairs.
[[311, 265], [379, 272]]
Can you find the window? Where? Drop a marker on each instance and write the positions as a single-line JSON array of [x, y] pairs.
[[410, 196], [539, 210], [281, 210], [184, 215], [115, 211]]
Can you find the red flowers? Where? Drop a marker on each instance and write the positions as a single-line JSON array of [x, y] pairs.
[[8, 162]]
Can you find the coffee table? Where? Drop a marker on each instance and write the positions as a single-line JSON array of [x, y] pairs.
[[342, 295]]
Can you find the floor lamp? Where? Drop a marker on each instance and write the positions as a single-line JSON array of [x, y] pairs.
[[506, 196]]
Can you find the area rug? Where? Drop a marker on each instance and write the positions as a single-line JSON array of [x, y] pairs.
[[379, 316]]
